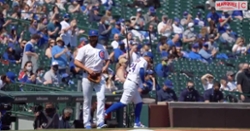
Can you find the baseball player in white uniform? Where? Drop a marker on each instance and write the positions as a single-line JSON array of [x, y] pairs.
[[135, 78], [93, 60]]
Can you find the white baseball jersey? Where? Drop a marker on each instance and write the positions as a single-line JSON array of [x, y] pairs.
[[93, 58], [134, 70]]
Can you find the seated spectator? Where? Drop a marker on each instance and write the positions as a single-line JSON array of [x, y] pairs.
[[9, 55], [214, 94], [74, 7], [39, 76], [198, 21], [189, 36], [65, 118], [13, 37], [60, 55], [174, 40], [94, 15], [20, 49], [151, 31], [54, 11], [231, 82], [52, 76], [110, 85], [43, 32], [33, 27], [26, 75], [48, 118], [193, 54], [177, 27], [239, 47], [228, 36], [206, 54], [187, 18], [8, 78], [115, 43], [54, 27], [190, 94], [223, 83], [176, 52], [213, 15], [163, 46], [104, 31], [48, 51], [145, 48], [207, 81], [121, 72], [166, 93], [151, 17], [164, 28], [117, 30], [212, 30], [238, 14]]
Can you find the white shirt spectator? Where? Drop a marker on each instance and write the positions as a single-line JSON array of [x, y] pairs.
[[208, 86], [166, 33], [239, 49], [67, 35], [232, 86], [115, 44], [177, 29], [2, 84], [137, 34]]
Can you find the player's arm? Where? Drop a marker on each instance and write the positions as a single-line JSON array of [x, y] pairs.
[[107, 61], [142, 74], [78, 60]]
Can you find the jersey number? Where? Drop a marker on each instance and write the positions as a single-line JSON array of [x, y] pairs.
[[133, 65]]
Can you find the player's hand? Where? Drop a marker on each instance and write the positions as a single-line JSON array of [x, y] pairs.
[[91, 72]]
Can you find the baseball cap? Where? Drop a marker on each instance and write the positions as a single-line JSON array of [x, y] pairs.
[[93, 33], [118, 23], [11, 76], [66, 16], [198, 13], [13, 28], [148, 54], [185, 13], [230, 73], [95, 8], [83, 39], [139, 10], [177, 20], [152, 9], [54, 63], [190, 24], [196, 45], [205, 44], [168, 83], [59, 39]]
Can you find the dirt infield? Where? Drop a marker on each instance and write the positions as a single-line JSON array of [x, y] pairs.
[[159, 129]]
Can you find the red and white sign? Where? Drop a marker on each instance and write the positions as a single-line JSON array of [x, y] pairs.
[[231, 5]]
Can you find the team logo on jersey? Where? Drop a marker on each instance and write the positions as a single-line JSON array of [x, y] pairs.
[[102, 54]]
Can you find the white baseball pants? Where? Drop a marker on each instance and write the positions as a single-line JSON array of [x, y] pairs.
[[87, 89]]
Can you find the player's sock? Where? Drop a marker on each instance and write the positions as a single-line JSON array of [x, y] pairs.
[[138, 108], [114, 107]]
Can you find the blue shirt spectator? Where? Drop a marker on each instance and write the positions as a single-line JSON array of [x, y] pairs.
[[162, 69], [119, 51], [116, 30], [9, 55], [167, 93], [54, 28], [194, 53], [214, 94], [213, 15], [59, 53]]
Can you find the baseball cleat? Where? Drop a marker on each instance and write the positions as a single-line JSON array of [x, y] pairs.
[[101, 125], [139, 125], [88, 127]]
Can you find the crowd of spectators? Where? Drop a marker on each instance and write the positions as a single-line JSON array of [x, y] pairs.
[[53, 32]]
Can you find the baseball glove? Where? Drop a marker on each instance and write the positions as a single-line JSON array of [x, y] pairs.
[[95, 78]]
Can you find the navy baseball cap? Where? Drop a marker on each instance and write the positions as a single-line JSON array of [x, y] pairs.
[[93, 33], [11, 76], [196, 45], [152, 9], [95, 8], [148, 54], [185, 13], [205, 44], [168, 83], [66, 16]]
